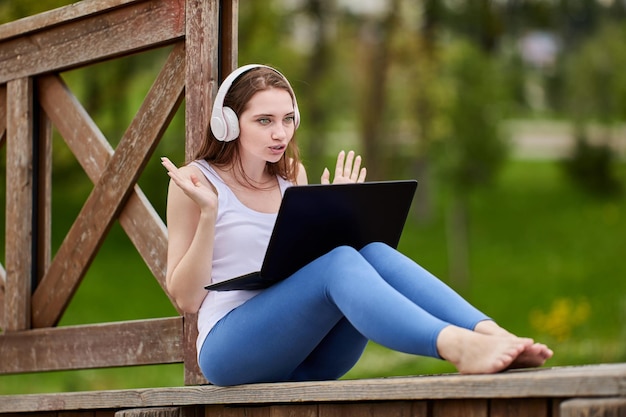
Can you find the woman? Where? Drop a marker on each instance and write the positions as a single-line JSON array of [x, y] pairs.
[[315, 324]]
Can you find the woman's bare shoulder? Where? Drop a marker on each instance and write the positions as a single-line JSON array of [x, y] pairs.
[[301, 177]]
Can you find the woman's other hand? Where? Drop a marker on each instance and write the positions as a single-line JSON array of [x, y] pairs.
[[347, 170]]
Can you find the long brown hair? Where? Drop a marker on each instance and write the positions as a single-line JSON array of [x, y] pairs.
[[222, 154]]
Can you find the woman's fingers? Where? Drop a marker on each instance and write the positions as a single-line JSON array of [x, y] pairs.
[[362, 175], [356, 168], [184, 182], [340, 164], [191, 185], [172, 170], [326, 176], [347, 169]]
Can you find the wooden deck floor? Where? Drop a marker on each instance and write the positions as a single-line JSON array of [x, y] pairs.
[[545, 392]]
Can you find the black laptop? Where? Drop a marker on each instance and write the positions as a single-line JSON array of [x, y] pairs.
[[314, 219]]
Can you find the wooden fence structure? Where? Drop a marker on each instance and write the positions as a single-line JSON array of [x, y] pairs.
[[36, 287]]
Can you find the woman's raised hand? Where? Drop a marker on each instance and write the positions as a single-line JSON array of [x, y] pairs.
[[348, 169], [203, 195]]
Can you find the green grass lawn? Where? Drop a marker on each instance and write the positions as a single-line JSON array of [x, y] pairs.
[[545, 261]]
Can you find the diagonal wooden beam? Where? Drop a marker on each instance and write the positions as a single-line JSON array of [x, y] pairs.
[[110, 193], [82, 135], [140, 221]]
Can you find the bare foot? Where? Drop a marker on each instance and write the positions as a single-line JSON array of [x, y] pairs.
[[533, 356], [492, 328], [476, 353]]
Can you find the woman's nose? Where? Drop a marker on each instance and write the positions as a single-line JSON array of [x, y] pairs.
[[279, 132]]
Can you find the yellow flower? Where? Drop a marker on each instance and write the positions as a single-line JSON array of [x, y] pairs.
[[560, 320]]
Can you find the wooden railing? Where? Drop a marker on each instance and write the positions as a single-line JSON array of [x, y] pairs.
[[36, 287]]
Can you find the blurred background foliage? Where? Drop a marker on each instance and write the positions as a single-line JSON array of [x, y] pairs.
[[510, 113]]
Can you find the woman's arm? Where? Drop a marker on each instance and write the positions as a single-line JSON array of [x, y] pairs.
[[191, 215]]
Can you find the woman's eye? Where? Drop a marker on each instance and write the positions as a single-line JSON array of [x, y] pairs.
[[290, 119], [264, 121]]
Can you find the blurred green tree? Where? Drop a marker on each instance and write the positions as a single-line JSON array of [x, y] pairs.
[[595, 93], [470, 149]]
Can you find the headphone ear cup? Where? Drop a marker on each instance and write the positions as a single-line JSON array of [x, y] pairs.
[[218, 127], [232, 124]]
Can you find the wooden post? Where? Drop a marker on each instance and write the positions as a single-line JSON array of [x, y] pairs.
[[211, 48], [229, 42], [3, 130], [202, 47], [19, 224]]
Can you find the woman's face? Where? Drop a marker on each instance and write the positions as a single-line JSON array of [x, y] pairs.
[[266, 125]]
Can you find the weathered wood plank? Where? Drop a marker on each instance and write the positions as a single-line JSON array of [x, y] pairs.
[[82, 135], [194, 411], [3, 126], [117, 181], [151, 412], [19, 205], [516, 407], [148, 232], [240, 411], [202, 43], [193, 374], [202, 39], [142, 224], [460, 408], [295, 410], [229, 29], [43, 203], [3, 279], [58, 16], [116, 32], [140, 342], [561, 382], [3, 113], [372, 409], [556, 407], [222, 411], [598, 407]]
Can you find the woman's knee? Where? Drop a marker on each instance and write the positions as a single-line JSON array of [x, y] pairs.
[[342, 260], [376, 246], [343, 253]]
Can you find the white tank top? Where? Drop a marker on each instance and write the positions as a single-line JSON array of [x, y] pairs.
[[241, 239]]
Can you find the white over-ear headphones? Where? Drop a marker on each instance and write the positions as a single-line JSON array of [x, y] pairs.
[[224, 121]]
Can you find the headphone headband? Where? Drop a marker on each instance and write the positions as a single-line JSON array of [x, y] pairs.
[[224, 121]]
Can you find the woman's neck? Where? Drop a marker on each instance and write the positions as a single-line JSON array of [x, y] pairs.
[[249, 176]]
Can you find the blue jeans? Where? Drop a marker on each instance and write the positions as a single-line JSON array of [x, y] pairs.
[[316, 324]]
